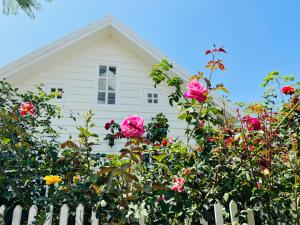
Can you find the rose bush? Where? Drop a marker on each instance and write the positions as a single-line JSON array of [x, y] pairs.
[[251, 158]]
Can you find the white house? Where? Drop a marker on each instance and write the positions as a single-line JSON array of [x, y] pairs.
[[103, 67]]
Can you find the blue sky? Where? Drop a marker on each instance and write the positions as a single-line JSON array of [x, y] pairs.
[[260, 36]]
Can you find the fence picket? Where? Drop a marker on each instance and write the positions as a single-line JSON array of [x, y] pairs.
[[49, 216], [17, 215], [79, 215], [250, 217], [32, 214], [95, 220], [218, 214], [203, 221], [64, 215], [2, 209], [233, 212]]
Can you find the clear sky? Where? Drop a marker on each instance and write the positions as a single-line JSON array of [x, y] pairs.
[[259, 35]]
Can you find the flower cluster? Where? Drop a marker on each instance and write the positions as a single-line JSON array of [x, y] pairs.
[[252, 123], [27, 108], [288, 90], [52, 179], [196, 90], [133, 126], [178, 184]]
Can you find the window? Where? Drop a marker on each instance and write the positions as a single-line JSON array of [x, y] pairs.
[[152, 98], [107, 85], [58, 91]]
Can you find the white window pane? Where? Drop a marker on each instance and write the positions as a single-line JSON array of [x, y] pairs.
[[111, 85], [112, 71], [101, 97], [102, 71], [111, 98], [102, 84]]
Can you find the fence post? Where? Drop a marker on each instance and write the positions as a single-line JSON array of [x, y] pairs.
[[218, 214], [49, 216], [79, 215], [250, 217], [17, 215], [233, 212], [32, 214], [95, 220], [2, 210], [64, 215]]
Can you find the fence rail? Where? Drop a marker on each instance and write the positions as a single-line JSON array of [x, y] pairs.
[[79, 217]]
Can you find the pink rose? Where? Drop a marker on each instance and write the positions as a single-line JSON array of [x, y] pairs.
[[196, 90], [27, 108], [133, 126], [178, 183], [252, 123]]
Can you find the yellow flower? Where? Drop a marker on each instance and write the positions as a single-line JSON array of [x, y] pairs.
[[52, 179], [76, 178], [266, 172], [63, 188]]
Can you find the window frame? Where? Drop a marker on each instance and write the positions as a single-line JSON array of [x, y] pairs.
[[57, 85], [160, 97], [98, 105]]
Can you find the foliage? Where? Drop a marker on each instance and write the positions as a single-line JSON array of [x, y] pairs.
[[252, 158], [28, 6], [157, 128]]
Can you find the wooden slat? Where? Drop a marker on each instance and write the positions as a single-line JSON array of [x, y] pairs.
[[250, 217], [218, 214], [32, 214], [203, 221], [2, 209], [233, 212], [64, 215], [49, 216], [17, 215], [79, 215], [95, 220]]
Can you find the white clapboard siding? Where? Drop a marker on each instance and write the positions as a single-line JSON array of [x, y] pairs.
[[77, 74]]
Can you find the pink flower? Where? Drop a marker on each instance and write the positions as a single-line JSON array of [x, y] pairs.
[[288, 90], [252, 123], [133, 126], [196, 90], [178, 183], [27, 108]]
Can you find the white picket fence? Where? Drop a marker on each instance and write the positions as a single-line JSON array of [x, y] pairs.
[[64, 215]]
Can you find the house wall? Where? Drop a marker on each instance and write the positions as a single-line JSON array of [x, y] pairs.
[[78, 73]]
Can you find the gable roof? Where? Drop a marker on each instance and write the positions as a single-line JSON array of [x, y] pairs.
[[17, 68]]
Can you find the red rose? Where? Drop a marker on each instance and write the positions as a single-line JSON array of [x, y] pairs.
[[164, 142], [252, 123], [288, 90], [107, 126]]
